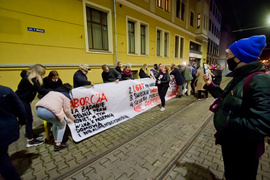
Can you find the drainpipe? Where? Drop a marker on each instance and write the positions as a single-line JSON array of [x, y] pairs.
[[115, 32]]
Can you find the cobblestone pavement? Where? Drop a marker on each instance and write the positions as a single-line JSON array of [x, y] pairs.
[[140, 148]]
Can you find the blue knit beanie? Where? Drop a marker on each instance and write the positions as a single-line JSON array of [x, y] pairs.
[[248, 49]]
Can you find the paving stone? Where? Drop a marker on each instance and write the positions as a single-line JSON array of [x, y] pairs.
[[28, 176], [210, 164], [61, 165]]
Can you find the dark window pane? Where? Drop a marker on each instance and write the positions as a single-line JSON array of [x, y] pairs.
[[104, 18], [97, 36], [95, 15]]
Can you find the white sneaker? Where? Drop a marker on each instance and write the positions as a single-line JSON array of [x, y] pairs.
[[162, 109]]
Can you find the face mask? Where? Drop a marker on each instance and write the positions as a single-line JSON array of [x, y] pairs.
[[85, 73], [232, 64], [54, 80]]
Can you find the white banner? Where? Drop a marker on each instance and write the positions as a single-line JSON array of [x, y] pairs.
[[106, 105]]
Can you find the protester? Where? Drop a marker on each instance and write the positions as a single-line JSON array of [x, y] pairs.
[[52, 81], [110, 74], [11, 108], [80, 78], [154, 71], [218, 75], [178, 78], [144, 71], [28, 87], [52, 108], [193, 73], [200, 84], [186, 71], [127, 73], [118, 68], [242, 117], [162, 82]]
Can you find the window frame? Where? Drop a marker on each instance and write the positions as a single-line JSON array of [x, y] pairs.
[[179, 52], [109, 27], [138, 43]]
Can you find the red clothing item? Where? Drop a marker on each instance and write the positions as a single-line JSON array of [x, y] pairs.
[[127, 74]]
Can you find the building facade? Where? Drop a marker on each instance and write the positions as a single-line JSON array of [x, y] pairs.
[[214, 32], [63, 34]]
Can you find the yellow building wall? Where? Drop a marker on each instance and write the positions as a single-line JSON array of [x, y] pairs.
[[62, 47]]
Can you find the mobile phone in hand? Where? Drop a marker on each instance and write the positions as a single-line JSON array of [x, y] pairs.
[[205, 68]]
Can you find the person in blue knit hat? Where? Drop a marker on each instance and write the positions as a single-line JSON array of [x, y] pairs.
[[242, 109]]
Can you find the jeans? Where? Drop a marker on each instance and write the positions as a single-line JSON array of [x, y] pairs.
[[58, 128]]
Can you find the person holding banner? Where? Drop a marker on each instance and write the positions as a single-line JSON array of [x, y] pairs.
[[110, 74], [30, 84], [144, 72], [154, 71], [180, 80], [162, 82], [52, 108], [80, 78]]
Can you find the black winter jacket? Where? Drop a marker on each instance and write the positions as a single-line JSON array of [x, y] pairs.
[[244, 118], [80, 79], [11, 107], [179, 78], [27, 92], [164, 78]]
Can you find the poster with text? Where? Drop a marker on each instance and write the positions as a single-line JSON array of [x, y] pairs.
[[106, 105]]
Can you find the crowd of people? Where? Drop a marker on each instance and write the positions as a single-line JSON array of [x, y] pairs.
[[241, 110]]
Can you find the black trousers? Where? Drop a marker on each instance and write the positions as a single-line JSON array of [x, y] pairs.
[[162, 90], [240, 160], [200, 93], [29, 120], [7, 169]]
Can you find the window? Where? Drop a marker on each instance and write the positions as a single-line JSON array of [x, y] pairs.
[[162, 43], [158, 42], [143, 40], [191, 19], [97, 29], [178, 9], [137, 37], [198, 21], [195, 47], [131, 37], [183, 9], [176, 50], [179, 47], [166, 5], [166, 44], [159, 3]]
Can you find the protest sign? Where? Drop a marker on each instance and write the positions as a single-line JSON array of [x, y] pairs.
[[106, 105]]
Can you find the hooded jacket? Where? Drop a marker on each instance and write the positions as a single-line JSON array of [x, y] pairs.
[[246, 117]]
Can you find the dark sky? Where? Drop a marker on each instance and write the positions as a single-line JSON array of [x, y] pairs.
[[247, 14]]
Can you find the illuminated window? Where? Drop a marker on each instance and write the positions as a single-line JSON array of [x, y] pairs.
[[198, 21], [167, 5], [159, 3]]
